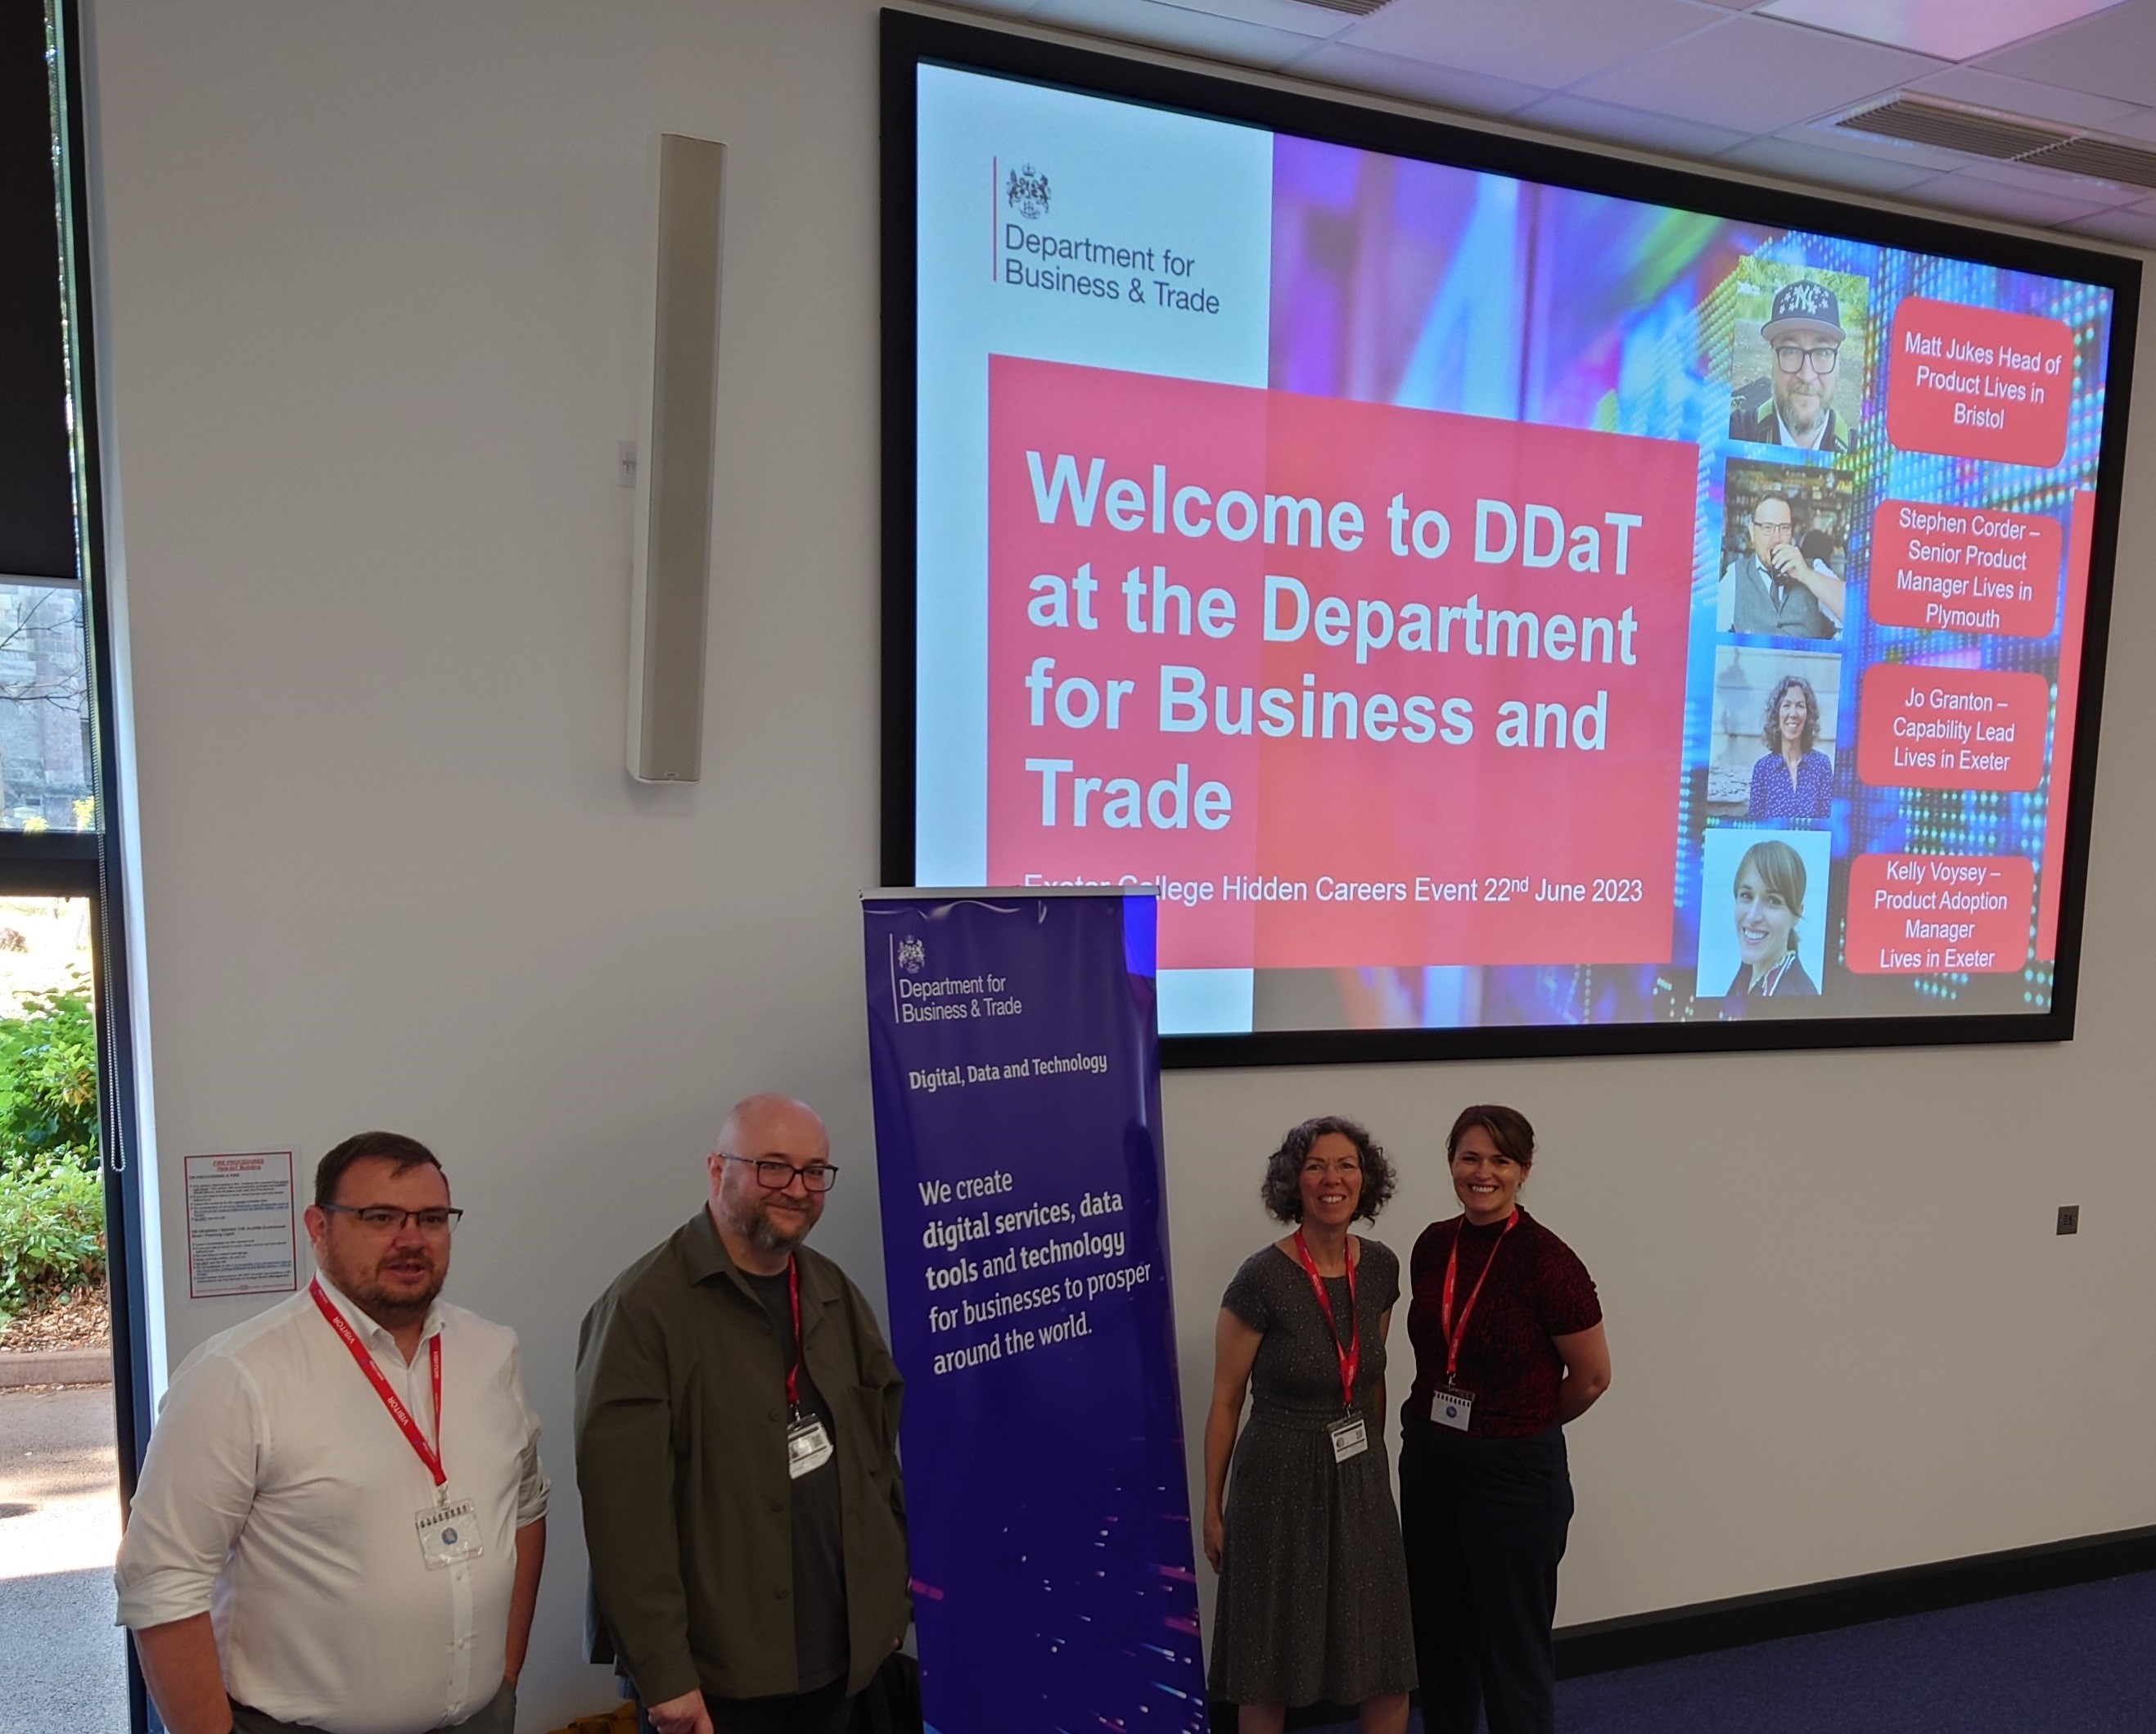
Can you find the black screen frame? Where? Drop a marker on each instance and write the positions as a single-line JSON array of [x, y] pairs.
[[910, 39]]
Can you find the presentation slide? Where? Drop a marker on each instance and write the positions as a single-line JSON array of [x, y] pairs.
[[1474, 602]]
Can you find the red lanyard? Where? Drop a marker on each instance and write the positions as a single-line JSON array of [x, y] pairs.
[[428, 1455], [794, 1367], [1452, 1339], [1351, 1357]]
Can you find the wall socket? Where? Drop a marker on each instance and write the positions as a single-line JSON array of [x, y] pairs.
[[2070, 1219]]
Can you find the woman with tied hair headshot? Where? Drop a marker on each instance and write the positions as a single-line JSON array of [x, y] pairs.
[[1770, 902], [1792, 779], [1313, 1595], [1509, 1348]]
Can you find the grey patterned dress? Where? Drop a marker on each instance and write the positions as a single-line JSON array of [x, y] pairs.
[[1313, 1601]]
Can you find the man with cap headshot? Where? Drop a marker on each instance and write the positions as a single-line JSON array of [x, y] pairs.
[[1792, 406]]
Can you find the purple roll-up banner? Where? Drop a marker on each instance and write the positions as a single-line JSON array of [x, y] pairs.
[[1015, 1054]]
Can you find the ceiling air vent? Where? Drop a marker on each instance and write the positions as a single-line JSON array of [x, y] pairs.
[[2101, 157], [2007, 138], [1955, 129], [1359, 8]]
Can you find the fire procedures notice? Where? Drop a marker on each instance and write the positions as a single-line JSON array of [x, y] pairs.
[[242, 1238]]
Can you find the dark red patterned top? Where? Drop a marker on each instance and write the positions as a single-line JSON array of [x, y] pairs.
[[1538, 1289]]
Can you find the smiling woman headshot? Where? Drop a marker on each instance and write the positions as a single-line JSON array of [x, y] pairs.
[[1770, 901], [1313, 1599], [1792, 779], [1509, 1348]]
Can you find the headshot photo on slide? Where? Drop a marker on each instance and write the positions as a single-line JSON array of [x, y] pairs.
[[1799, 348], [1771, 756], [1763, 920], [1784, 550]]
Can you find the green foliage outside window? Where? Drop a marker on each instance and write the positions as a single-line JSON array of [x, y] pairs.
[[52, 1207], [48, 1082], [52, 1236]]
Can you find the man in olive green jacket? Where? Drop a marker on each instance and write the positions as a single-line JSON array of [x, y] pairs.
[[736, 1434]]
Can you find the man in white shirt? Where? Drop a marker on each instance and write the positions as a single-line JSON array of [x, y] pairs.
[[341, 1518]]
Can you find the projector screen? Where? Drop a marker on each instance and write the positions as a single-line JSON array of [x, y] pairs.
[[1507, 601]]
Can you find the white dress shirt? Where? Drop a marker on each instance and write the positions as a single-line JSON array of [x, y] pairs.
[[280, 1497]]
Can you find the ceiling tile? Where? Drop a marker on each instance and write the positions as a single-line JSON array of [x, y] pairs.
[[2111, 54], [1336, 63], [1755, 75], [1968, 193], [2140, 124], [2022, 97], [1593, 121], [1798, 160], [2053, 183], [1547, 43], [2131, 228], [1174, 27], [1272, 15], [1950, 29]]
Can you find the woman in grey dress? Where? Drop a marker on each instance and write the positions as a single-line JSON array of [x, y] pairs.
[[1313, 1600]]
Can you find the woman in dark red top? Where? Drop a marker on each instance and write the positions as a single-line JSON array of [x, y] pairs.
[[1508, 1342]]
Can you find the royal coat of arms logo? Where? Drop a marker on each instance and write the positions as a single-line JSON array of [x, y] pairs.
[[1026, 191]]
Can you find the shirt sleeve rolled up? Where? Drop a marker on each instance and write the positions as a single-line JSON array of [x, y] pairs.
[[533, 1488], [197, 1486]]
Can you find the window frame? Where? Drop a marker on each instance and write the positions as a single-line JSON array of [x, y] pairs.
[[95, 865]]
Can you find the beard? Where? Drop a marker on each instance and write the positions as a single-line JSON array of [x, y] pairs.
[[1803, 411], [754, 1223], [389, 1300]]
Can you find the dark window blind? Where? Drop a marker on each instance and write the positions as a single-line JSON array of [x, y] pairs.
[[37, 516]]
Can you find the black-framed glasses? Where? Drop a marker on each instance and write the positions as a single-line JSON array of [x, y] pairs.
[[388, 1219], [774, 1174], [1790, 357]]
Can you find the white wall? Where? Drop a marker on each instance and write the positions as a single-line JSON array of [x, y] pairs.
[[370, 294]]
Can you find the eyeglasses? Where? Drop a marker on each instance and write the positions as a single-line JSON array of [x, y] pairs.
[[387, 1219], [1771, 524], [1790, 357], [775, 1176]]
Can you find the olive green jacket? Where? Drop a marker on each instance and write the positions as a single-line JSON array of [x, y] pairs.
[[682, 1460]]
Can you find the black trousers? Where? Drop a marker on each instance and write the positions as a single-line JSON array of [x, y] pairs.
[[1485, 1524], [825, 1710], [497, 1716]]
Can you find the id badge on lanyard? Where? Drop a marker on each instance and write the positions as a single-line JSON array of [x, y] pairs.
[[1449, 1404], [1350, 1435], [449, 1534], [808, 1444]]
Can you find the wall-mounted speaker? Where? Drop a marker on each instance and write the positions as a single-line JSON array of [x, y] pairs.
[[672, 560]]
